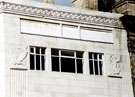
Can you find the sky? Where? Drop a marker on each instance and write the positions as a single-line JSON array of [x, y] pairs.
[[60, 2]]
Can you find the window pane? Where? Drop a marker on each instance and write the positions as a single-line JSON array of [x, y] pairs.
[[96, 67], [55, 64], [67, 53], [100, 56], [67, 65], [42, 50], [95, 56], [100, 67], [37, 62], [90, 56], [43, 62], [37, 50], [91, 67], [31, 50], [79, 54], [79, 66], [32, 67], [55, 52]]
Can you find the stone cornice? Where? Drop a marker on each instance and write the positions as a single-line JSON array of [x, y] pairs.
[[12, 8]]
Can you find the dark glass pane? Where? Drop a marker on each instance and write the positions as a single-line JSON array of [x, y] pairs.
[[79, 66], [100, 56], [67, 53], [95, 56], [101, 67], [42, 50], [79, 54], [55, 52], [55, 64], [91, 67], [67, 65], [37, 62], [31, 50], [37, 50], [96, 67], [90, 55], [32, 66], [43, 62]]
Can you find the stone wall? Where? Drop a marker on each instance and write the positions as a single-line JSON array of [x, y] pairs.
[[125, 7], [85, 4], [32, 24]]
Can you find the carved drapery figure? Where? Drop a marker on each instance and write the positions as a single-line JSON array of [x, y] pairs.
[[115, 63], [21, 57]]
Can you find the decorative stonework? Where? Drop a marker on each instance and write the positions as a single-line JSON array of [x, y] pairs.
[[115, 62], [58, 15], [19, 61]]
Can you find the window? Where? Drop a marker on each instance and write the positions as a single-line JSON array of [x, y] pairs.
[[37, 58], [67, 61], [96, 63]]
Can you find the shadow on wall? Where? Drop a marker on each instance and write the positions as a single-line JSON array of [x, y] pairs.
[[106, 5], [129, 24]]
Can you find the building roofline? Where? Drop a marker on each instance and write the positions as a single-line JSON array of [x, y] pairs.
[[51, 11]]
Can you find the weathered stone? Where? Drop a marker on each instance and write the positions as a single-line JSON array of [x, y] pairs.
[[48, 1], [85, 4]]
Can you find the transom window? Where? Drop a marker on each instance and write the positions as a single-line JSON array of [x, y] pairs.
[[96, 63], [37, 58], [67, 61]]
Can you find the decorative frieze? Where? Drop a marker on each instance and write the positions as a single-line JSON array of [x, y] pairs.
[[58, 15]]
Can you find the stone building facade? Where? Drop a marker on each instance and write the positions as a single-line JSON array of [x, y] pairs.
[[85, 4], [54, 51], [125, 7]]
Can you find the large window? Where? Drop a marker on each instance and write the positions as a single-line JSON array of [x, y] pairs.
[[37, 58], [96, 63], [67, 61]]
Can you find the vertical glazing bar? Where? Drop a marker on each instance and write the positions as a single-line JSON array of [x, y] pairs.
[[93, 63], [75, 62], [40, 59], [60, 60], [98, 64], [35, 58]]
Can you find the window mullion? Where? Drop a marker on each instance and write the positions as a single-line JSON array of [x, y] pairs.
[[98, 64], [60, 60], [93, 64], [75, 62], [40, 60], [35, 58]]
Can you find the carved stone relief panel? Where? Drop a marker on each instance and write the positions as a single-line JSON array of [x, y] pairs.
[[115, 65], [18, 57]]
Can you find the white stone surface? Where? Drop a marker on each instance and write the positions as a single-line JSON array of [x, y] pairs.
[[2, 57], [20, 32]]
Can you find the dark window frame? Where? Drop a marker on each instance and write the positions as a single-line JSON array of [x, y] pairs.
[[39, 58], [96, 63], [74, 57]]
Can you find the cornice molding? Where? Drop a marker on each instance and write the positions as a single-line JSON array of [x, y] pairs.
[[12, 8]]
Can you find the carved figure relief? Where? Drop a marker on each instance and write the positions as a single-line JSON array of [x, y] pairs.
[[116, 65], [19, 59]]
